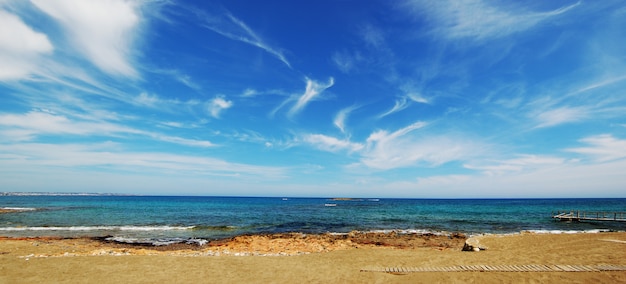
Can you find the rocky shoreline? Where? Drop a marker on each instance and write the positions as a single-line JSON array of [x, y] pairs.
[[264, 244]]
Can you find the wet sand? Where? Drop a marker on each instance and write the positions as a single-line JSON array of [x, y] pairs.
[[288, 258]]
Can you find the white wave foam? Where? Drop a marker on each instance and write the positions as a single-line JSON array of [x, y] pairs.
[[154, 242], [97, 228], [399, 231], [200, 242], [545, 232], [157, 242], [18, 208], [567, 231], [154, 228]]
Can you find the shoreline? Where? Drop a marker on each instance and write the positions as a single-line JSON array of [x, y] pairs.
[[261, 244], [288, 258], [294, 243], [108, 234]]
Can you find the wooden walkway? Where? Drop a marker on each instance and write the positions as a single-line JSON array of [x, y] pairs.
[[589, 216], [501, 268]]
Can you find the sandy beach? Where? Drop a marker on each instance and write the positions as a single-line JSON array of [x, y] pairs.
[[288, 258]]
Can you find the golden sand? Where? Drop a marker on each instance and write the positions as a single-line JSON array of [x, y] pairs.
[[289, 258]]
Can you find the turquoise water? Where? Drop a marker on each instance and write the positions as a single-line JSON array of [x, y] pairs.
[[165, 218]]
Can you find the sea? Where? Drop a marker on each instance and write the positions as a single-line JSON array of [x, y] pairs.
[[162, 220]]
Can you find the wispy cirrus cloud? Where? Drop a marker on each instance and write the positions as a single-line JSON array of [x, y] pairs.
[[384, 150], [347, 61], [602, 148], [114, 156], [227, 25], [373, 36], [387, 150], [554, 181], [179, 76], [34, 124], [375, 50], [518, 164], [20, 47], [166, 105], [214, 106], [102, 31], [560, 115], [219, 104], [313, 90], [590, 99], [478, 19], [399, 105], [332, 144], [341, 117], [404, 102]]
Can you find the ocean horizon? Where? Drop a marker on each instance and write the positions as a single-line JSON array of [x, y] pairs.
[[171, 219]]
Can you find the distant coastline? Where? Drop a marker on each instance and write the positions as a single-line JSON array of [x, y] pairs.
[[61, 194]]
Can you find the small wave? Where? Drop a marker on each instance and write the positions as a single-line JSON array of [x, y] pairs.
[[399, 231], [412, 231], [216, 228], [546, 232], [567, 231], [96, 228], [18, 208], [157, 242]]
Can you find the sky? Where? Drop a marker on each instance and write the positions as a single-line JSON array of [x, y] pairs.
[[325, 98]]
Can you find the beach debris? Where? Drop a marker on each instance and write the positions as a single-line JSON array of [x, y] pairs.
[[472, 244]]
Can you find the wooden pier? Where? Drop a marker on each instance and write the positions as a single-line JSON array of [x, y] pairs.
[[589, 216], [501, 268]]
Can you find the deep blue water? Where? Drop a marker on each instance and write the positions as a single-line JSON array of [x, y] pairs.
[[167, 217]]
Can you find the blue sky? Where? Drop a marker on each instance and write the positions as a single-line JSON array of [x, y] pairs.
[[406, 98]]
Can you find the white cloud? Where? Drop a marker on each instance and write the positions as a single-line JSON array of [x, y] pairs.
[[217, 105], [148, 100], [560, 116], [313, 89], [602, 148], [373, 36], [395, 150], [345, 61], [114, 157], [103, 31], [399, 105], [601, 84], [164, 104], [400, 153], [179, 76], [522, 163], [227, 25], [554, 181], [404, 102], [478, 19], [332, 144], [183, 141], [20, 47], [383, 136], [568, 180], [341, 117], [36, 123], [417, 98], [27, 127], [384, 150], [249, 93], [173, 124]]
